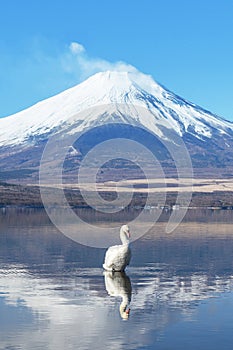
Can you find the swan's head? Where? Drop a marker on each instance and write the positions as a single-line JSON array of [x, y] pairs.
[[125, 230], [124, 311]]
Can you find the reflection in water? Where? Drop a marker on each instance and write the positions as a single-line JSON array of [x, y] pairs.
[[53, 294], [49, 308], [118, 284]]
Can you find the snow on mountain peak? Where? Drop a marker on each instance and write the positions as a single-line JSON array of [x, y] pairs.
[[125, 92]]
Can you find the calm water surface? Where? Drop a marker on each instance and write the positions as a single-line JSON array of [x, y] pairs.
[[54, 294]]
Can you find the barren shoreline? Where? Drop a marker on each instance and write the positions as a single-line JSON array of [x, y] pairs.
[[216, 193], [159, 185]]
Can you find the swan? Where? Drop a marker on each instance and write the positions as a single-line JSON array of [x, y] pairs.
[[118, 257], [118, 284]]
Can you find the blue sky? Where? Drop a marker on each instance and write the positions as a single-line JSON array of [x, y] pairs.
[[186, 45]]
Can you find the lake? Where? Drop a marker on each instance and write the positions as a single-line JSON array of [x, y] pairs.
[[179, 287]]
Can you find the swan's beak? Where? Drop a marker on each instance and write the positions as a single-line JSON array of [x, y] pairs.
[[124, 312], [127, 311]]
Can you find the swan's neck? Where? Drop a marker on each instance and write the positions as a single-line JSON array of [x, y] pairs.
[[125, 299], [124, 238], [123, 308]]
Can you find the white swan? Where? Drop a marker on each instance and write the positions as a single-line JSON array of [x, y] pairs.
[[118, 257], [118, 284]]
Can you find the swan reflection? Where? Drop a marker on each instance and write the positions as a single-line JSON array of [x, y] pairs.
[[118, 284]]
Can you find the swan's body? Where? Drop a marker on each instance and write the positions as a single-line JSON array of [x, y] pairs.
[[118, 284], [118, 257]]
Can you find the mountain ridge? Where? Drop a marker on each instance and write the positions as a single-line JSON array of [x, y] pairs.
[[104, 105], [119, 89]]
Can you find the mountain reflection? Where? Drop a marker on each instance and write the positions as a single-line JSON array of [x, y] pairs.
[[73, 303], [52, 289], [118, 284]]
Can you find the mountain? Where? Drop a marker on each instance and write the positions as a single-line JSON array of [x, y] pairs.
[[107, 105]]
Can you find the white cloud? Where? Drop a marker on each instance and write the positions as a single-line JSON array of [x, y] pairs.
[[44, 69], [78, 63], [76, 48]]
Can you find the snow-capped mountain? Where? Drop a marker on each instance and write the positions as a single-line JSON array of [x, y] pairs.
[[120, 92], [111, 97]]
